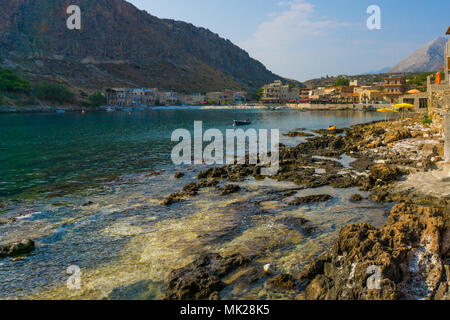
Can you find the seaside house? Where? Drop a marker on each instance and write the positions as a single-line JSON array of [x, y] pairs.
[[393, 88], [276, 92], [419, 99], [194, 99], [168, 98], [142, 97], [218, 97], [368, 95], [304, 94]]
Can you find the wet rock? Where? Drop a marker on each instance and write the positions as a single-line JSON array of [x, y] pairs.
[[283, 282], [87, 204], [188, 191], [230, 188], [202, 278], [178, 175], [362, 164], [356, 198], [17, 248], [383, 173], [394, 135], [155, 173], [294, 134], [310, 199], [405, 254], [7, 221], [298, 224]]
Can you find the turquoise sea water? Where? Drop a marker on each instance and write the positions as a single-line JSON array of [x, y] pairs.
[[41, 150], [81, 187]]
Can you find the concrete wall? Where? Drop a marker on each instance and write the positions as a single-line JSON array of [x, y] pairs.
[[307, 106]]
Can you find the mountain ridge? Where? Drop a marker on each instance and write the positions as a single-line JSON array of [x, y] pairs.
[[120, 45], [429, 57]]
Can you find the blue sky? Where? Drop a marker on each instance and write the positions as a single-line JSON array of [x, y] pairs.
[[304, 39]]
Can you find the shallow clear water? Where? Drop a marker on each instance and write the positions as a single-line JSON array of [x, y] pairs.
[[80, 186]]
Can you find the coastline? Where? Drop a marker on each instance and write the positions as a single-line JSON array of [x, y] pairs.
[[410, 254], [300, 107]]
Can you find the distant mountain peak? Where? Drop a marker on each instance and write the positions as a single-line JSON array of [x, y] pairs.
[[430, 57]]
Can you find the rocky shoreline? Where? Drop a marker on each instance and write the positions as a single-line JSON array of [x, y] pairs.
[[409, 256]]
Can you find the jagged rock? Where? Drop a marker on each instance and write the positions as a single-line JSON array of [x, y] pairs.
[[188, 191], [406, 254], [294, 134], [7, 221], [310, 199], [394, 135], [178, 175], [17, 248], [202, 278], [283, 281], [356, 198], [383, 173], [230, 188]]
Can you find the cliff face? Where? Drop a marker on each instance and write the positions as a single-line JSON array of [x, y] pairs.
[[121, 45]]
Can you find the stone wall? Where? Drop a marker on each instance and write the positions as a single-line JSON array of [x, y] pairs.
[[438, 101], [447, 136]]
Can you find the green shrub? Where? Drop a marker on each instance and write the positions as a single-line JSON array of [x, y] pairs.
[[10, 82], [426, 120], [341, 82], [97, 99], [54, 92]]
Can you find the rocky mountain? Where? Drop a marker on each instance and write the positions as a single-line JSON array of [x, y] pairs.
[[428, 58], [120, 45]]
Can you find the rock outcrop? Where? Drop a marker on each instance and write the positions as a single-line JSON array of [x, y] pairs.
[[202, 279], [17, 248], [406, 259]]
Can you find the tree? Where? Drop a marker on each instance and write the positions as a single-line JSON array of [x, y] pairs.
[[53, 92], [258, 95], [341, 82], [97, 99], [10, 82]]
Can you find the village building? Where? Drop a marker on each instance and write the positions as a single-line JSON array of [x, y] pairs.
[[216, 97], [419, 99], [304, 94], [368, 95], [194, 99], [168, 98], [276, 92], [131, 96], [393, 88]]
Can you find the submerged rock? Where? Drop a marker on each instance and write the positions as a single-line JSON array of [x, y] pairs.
[[7, 221], [310, 199], [17, 248], [188, 191], [202, 279], [283, 281], [230, 188], [356, 198], [178, 175]]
